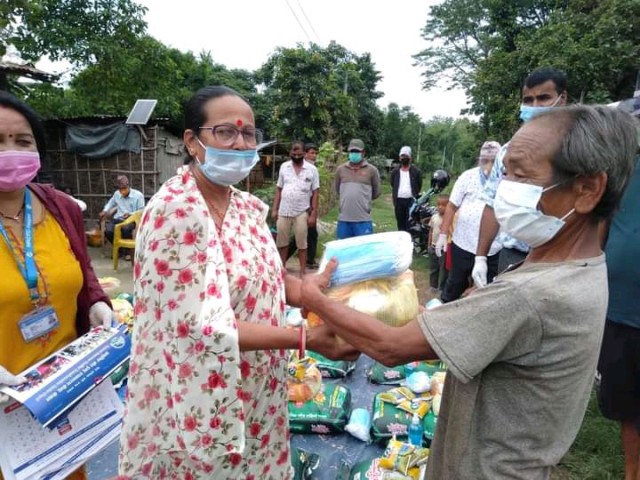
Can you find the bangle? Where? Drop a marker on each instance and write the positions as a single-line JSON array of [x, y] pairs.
[[302, 342]]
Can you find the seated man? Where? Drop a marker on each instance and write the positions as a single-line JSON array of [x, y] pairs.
[[125, 201], [521, 351]]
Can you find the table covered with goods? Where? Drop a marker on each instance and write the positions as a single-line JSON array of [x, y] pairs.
[[362, 420]]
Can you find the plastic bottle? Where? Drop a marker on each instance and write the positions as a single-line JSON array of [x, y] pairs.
[[415, 431], [433, 303]]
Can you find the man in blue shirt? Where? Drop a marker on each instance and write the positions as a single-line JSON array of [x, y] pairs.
[[619, 363], [543, 89], [124, 201]]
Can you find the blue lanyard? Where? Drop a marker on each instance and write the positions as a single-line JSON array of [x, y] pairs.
[[28, 268]]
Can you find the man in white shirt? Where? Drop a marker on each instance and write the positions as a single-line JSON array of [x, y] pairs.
[[406, 183], [125, 201], [464, 200], [298, 181]]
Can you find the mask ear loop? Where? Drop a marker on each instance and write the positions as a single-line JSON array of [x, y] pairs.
[[546, 189], [557, 100], [568, 213], [554, 186], [202, 145]]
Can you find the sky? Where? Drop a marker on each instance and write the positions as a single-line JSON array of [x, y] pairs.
[[244, 35]]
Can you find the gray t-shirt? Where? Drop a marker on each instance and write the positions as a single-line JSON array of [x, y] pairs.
[[357, 187], [522, 354]]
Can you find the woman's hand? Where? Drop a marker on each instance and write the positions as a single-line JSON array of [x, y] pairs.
[[10, 380], [322, 340], [100, 314]]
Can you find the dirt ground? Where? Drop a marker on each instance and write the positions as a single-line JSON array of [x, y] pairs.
[[103, 266]]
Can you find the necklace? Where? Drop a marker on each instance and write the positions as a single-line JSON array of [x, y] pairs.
[[218, 214], [15, 218]]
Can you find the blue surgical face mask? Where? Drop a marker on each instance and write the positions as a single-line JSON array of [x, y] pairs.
[[227, 167], [528, 113], [355, 157]]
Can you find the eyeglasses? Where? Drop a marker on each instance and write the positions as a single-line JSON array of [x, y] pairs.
[[226, 134]]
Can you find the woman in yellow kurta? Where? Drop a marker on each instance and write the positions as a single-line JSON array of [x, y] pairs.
[[57, 278], [60, 279]]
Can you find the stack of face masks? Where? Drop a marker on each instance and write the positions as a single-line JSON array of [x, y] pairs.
[[368, 257]]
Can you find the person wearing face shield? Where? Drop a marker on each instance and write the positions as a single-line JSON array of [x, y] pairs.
[[295, 205], [543, 89], [124, 201], [465, 204], [406, 183], [521, 351], [357, 184]]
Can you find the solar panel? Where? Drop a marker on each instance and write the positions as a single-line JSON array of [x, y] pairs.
[[141, 112]]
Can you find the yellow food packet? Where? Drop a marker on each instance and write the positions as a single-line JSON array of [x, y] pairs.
[[397, 395], [403, 457], [419, 406]]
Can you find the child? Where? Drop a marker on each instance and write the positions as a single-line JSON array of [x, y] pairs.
[[438, 273]]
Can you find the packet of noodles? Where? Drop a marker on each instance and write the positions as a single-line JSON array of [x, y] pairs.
[[397, 395], [417, 405], [404, 458]]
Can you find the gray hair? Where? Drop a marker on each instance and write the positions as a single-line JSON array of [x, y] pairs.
[[596, 139]]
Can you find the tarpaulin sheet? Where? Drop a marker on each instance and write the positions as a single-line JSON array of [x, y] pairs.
[[102, 141], [339, 449]]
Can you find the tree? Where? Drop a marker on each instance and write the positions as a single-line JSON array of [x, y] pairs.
[[450, 144], [320, 93], [80, 31], [438, 143], [146, 68], [401, 126], [487, 47]]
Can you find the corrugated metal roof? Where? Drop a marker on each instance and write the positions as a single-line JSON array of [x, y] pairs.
[[101, 119], [27, 71]]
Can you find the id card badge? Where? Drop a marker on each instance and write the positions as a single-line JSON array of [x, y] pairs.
[[38, 323]]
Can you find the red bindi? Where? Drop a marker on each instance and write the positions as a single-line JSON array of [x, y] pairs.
[[239, 122]]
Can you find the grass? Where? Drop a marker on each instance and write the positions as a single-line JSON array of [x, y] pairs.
[[596, 453]]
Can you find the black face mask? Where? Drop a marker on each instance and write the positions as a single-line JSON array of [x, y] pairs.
[[297, 159], [405, 162]]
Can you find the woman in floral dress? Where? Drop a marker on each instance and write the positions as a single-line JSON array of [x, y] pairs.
[[207, 388]]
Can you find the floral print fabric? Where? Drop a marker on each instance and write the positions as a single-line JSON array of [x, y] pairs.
[[197, 407]]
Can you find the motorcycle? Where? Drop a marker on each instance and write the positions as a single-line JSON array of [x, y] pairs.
[[420, 214], [421, 211]]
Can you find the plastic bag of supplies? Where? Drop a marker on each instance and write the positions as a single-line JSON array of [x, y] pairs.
[[392, 300], [368, 257]]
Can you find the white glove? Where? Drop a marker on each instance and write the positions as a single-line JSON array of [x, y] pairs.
[[7, 379], [100, 314], [479, 272], [441, 244]]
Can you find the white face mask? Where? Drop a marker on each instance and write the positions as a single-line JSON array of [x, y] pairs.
[[516, 209]]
